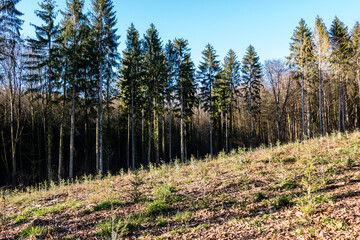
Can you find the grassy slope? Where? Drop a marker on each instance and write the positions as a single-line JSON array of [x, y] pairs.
[[298, 190]]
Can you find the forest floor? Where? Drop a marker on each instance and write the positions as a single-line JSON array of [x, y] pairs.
[[307, 190]]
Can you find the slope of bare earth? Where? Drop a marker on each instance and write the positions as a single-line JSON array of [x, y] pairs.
[[308, 190]]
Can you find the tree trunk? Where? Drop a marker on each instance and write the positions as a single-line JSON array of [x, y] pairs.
[[320, 103], [339, 100], [61, 137], [182, 147], [150, 133], [226, 133], [211, 143], [100, 123], [309, 117], [251, 113], [128, 144], [170, 135], [231, 120], [303, 108], [61, 156], [163, 138], [133, 144], [12, 133], [143, 147], [72, 135]]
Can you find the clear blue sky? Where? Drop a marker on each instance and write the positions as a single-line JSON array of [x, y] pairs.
[[266, 24]]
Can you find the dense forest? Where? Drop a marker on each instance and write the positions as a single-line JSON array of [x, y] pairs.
[[71, 104]]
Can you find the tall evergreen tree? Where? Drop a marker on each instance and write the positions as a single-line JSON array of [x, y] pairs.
[[251, 80], [231, 76], [209, 71], [355, 38], [131, 74], [340, 44], [322, 48], [154, 84], [45, 44], [171, 60], [301, 56], [73, 26], [10, 47], [106, 42], [185, 88]]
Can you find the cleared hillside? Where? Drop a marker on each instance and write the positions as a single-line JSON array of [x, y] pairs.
[[299, 190]]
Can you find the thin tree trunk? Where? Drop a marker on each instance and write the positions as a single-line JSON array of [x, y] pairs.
[[158, 137], [320, 102], [251, 113], [231, 120], [339, 100], [128, 144], [150, 133], [13, 145], [211, 142], [86, 141], [303, 108], [49, 148], [358, 82], [72, 135], [163, 138], [182, 147], [309, 117], [100, 119], [221, 144], [226, 133], [170, 135], [133, 144], [343, 108], [61, 156], [61, 147], [143, 147]]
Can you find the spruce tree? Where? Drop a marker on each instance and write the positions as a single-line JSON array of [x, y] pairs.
[[340, 45], [154, 84], [45, 48], [130, 84], [322, 48], [103, 21], [231, 76], [73, 26], [355, 39], [10, 47], [185, 89], [251, 80], [302, 57], [209, 71], [171, 60]]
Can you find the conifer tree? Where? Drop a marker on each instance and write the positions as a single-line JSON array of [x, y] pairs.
[[73, 26], [340, 44], [251, 80], [301, 57], [209, 71], [355, 38], [10, 47], [154, 84], [103, 21], [322, 47], [231, 76], [185, 88], [171, 58], [131, 74], [47, 60]]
